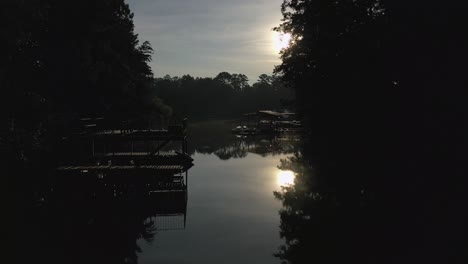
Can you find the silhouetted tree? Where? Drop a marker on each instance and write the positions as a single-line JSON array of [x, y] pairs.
[[239, 81], [380, 87], [224, 77], [61, 60], [80, 58]]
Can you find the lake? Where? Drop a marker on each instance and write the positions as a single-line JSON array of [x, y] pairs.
[[232, 214], [229, 214]]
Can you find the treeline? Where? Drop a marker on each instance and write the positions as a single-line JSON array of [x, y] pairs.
[[365, 71], [60, 61], [224, 96], [382, 88], [79, 58]]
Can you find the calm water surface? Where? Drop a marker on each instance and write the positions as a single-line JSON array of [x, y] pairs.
[[232, 215]]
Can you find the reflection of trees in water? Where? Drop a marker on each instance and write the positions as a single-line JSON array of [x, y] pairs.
[[239, 147], [324, 219], [236, 149], [81, 223], [215, 137], [85, 230]]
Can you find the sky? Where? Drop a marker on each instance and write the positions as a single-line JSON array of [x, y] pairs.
[[205, 37]]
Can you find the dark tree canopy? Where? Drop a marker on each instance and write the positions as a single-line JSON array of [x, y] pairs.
[[63, 60], [381, 87], [224, 96], [335, 54], [79, 57]]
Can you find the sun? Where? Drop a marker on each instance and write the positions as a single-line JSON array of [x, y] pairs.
[[281, 40], [285, 178]]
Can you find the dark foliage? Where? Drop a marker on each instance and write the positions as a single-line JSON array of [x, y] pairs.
[[61, 60], [226, 95], [381, 88], [64, 60], [215, 137]]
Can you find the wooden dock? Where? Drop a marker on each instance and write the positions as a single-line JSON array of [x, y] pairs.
[[175, 134], [107, 168], [147, 158], [151, 171]]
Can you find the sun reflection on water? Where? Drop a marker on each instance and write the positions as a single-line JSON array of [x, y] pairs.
[[285, 178]]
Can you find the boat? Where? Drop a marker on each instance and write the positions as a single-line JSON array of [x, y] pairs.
[[244, 130]]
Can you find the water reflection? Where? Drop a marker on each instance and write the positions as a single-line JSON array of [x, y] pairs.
[[112, 223], [98, 204], [215, 137], [327, 216], [233, 216], [81, 227]]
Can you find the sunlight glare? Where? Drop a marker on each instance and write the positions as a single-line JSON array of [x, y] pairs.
[[281, 40], [285, 178]]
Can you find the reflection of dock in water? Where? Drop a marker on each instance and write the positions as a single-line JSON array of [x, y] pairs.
[[169, 211], [103, 228]]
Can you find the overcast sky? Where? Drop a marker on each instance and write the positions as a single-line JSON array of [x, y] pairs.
[[205, 37]]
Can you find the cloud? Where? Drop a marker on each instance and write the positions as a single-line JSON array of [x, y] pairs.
[[205, 37]]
